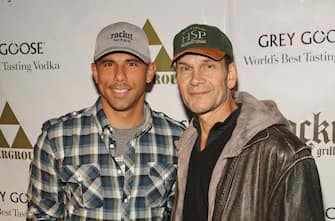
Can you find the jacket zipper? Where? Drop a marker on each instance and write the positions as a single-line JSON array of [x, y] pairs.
[[220, 203]]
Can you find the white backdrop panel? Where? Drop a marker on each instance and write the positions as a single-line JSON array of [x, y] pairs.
[[51, 75]]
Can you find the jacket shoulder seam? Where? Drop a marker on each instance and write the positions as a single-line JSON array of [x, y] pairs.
[[285, 173]]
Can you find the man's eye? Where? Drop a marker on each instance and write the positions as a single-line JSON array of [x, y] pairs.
[[209, 66], [108, 64], [132, 64], [185, 68]]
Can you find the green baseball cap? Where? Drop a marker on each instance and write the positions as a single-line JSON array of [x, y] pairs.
[[204, 40]]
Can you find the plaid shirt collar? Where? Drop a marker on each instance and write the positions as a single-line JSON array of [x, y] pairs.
[[103, 123]]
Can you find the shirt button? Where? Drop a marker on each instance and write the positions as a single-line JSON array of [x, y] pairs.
[[119, 171], [125, 200]]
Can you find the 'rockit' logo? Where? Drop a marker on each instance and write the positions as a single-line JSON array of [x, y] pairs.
[[317, 133], [13, 139], [121, 36], [21, 48], [165, 73]]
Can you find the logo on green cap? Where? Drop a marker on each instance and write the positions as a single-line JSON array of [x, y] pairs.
[[194, 35]]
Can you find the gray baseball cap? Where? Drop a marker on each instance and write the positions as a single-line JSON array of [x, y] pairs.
[[123, 37]]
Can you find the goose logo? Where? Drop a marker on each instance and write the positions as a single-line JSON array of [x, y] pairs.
[[22, 48], [14, 143]]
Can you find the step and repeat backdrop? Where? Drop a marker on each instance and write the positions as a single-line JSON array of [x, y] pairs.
[[284, 50]]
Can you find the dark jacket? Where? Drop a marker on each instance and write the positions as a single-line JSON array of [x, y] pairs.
[[264, 173]]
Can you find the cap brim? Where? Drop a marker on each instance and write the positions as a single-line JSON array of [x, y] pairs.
[[214, 53], [127, 50]]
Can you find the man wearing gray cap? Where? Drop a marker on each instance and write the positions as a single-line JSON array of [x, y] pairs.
[[238, 160], [116, 159]]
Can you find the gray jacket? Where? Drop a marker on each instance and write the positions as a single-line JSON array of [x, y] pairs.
[[264, 173]]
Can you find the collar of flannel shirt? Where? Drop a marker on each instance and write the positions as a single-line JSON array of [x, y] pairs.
[[103, 122]]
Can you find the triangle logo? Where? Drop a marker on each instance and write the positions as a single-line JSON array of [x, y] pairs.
[[163, 61], [151, 33], [21, 140], [7, 116], [12, 134], [3, 141]]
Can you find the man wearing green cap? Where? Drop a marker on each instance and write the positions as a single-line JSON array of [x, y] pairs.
[[116, 159], [238, 159]]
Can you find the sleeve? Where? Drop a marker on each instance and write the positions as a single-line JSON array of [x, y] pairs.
[[44, 191], [298, 195]]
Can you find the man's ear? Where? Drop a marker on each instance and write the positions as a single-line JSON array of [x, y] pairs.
[[232, 75], [151, 71], [94, 72]]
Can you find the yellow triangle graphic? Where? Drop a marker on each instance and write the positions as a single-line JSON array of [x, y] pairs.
[[151, 34], [163, 61], [21, 140], [3, 141], [7, 116]]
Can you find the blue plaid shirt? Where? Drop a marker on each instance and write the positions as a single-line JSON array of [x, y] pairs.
[[75, 176]]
